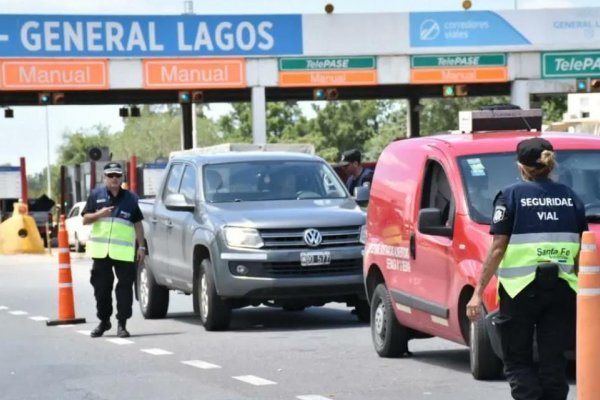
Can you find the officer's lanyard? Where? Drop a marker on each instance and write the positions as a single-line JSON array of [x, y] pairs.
[[114, 201]]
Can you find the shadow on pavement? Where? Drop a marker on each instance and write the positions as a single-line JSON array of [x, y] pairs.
[[257, 319]]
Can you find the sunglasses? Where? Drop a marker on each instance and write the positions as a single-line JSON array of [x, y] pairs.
[[114, 175]]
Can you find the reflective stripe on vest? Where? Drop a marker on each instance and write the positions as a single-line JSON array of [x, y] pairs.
[[527, 250], [112, 237]]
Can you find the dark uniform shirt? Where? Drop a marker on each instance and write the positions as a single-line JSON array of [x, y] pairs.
[[366, 176], [96, 202], [537, 207]]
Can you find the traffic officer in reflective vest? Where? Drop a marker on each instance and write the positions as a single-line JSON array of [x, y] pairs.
[[537, 225], [116, 219]]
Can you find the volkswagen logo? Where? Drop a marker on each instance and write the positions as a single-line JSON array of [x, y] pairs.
[[312, 237]]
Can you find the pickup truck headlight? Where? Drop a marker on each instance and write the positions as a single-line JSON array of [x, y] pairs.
[[363, 234], [242, 237]]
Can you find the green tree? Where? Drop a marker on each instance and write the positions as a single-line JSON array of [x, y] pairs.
[[554, 107]]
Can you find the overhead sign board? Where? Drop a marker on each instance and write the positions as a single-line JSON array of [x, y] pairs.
[[10, 182], [458, 60], [207, 73], [149, 36], [571, 64], [327, 71], [462, 29], [458, 68], [54, 75]]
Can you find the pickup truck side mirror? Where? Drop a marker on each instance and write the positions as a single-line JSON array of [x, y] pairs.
[[430, 223], [178, 202], [361, 195]]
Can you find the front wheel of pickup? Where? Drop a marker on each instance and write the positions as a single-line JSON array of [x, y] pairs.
[[215, 313], [153, 298], [390, 339]]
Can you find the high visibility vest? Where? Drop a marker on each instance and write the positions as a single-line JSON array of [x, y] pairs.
[[547, 221], [112, 237], [526, 251]]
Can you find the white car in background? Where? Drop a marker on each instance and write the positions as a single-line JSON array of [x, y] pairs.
[[78, 232]]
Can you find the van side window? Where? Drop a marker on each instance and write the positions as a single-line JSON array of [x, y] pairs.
[[437, 192]]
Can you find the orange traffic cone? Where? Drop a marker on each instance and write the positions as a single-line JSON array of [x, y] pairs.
[[588, 319], [66, 307]]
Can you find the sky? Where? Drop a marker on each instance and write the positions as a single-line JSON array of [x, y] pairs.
[[25, 135]]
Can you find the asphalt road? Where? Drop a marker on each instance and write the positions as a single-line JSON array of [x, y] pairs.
[[319, 354]]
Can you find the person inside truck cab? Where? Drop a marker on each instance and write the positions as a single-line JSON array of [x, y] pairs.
[[537, 226], [357, 174]]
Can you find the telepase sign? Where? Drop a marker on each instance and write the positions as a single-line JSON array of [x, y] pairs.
[[149, 36], [570, 64]]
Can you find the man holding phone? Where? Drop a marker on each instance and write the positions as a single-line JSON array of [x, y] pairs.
[[116, 227]]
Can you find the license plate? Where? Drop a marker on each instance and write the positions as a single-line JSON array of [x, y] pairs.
[[308, 258]]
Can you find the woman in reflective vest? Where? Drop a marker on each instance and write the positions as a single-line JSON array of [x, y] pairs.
[[537, 226]]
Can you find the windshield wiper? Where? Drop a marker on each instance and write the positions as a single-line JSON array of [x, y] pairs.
[[592, 217]]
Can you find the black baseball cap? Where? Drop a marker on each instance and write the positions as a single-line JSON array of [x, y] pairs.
[[350, 156], [113, 168], [529, 151]]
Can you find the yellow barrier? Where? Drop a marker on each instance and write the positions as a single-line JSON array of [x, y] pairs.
[[19, 233]]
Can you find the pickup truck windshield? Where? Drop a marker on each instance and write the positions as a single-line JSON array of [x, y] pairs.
[[270, 180], [484, 175]]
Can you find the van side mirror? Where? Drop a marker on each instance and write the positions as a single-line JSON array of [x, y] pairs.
[[361, 195], [178, 202], [430, 223]]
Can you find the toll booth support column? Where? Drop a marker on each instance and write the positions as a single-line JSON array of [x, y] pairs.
[[259, 115], [414, 116], [519, 94], [187, 126]]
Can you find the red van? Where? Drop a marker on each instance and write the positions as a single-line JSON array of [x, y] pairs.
[[430, 207]]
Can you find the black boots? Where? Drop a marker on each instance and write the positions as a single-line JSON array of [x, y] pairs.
[[122, 330], [102, 327]]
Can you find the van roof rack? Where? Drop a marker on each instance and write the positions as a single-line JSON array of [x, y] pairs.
[[500, 117]]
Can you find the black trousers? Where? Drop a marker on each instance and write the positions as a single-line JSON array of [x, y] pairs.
[[102, 280], [549, 314]]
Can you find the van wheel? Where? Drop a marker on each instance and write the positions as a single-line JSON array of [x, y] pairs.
[[389, 337], [215, 313], [153, 298], [484, 362], [363, 311]]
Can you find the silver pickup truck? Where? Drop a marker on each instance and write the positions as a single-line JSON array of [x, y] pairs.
[[250, 228]]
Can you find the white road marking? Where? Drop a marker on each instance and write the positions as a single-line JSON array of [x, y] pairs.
[[18, 312], [157, 352], [200, 364], [65, 326], [85, 333], [3, 308], [120, 341], [39, 318], [312, 397], [254, 380]]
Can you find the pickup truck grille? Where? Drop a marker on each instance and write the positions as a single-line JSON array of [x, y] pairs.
[[342, 236], [293, 269]]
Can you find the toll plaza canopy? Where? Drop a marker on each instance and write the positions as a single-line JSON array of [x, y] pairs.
[[104, 59]]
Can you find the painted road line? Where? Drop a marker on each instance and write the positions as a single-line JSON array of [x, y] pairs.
[[18, 312], [254, 380], [85, 333], [120, 341], [312, 397], [3, 308], [157, 352], [66, 326], [200, 364], [39, 318]]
